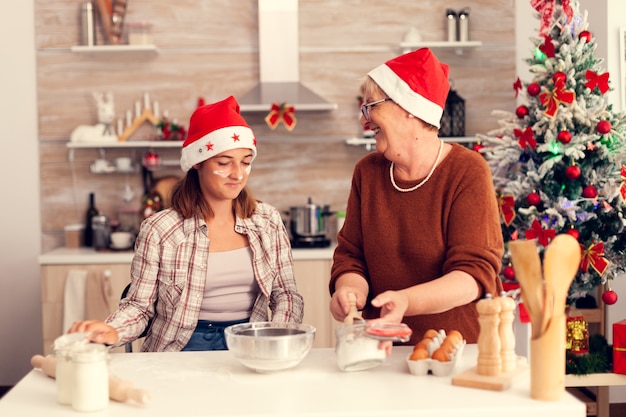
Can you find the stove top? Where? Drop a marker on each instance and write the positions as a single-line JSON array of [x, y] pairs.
[[310, 242]]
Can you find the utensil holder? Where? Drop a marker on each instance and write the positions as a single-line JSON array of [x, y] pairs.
[[547, 362]]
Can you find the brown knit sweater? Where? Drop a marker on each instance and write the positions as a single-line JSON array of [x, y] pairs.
[[396, 240]]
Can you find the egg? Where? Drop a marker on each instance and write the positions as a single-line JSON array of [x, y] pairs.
[[455, 335], [441, 355], [423, 344], [430, 333], [418, 354]]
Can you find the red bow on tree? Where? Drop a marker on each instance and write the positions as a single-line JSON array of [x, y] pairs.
[[551, 99], [281, 113], [601, 81], [546, 9], [622, 187], [507, 208], [543, 235], [517, 86], [526, 138], [594, 256]]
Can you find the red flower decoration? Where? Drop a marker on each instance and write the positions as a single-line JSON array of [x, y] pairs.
[[547, 47], [622, 187], [542, 235], [594, 80], [593, 257], [526, 138]]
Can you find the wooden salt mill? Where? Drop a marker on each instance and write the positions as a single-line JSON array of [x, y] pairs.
[[489, 347], [507, 337]]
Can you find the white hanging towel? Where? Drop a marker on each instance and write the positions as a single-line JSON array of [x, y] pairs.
[[74, 297]]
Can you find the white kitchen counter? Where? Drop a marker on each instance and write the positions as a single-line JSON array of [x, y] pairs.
[[88, 256], [186, 384]]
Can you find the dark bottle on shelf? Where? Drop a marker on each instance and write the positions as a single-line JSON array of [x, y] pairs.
[[91, 212]]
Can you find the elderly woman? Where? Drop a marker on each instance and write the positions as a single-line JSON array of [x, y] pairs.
[[421, 241], [216, 258]]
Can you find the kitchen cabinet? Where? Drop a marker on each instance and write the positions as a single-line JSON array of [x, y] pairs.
[[53, 279], [312, 277]]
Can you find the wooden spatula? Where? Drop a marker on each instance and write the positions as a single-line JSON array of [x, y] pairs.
[[561, 261], [527, 266]]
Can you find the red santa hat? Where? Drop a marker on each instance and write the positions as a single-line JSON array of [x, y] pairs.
[[417, 82], [213, 129]]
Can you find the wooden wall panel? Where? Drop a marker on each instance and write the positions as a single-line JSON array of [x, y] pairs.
[[209, 49]]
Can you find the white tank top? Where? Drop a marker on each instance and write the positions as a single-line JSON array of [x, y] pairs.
[[230, 289]]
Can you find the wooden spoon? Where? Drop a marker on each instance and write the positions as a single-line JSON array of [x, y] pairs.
[[560, 264], [527, 266], [353, 313]]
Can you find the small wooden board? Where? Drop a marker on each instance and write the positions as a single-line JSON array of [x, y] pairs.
[[472, 379]]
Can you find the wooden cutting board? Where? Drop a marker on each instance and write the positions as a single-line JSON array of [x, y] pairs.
[[472, 379]]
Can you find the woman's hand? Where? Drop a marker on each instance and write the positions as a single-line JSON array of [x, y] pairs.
[[340, 305], [97, 331], [393, 305]]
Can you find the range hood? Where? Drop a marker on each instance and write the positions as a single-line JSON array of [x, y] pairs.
[[279, 62]]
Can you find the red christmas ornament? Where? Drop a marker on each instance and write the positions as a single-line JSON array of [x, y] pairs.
[[521, 111], [151, 160], [509, 273], [533, 89], [572, 172], [477, 147], [574, 233], [559, 76], [609, 297], [586, 35], [590, 191], [533, 198], [603, 127], [564, 136]]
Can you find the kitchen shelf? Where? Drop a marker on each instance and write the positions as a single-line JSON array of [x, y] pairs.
[[116, 49], [458, 46], [129, 144]]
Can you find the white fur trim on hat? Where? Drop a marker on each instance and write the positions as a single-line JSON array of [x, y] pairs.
[[213, 129], [417, 82], [216, 142]]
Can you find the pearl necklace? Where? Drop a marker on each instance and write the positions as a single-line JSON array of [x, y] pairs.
[[415, 187]]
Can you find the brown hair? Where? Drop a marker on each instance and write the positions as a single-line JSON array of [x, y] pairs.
[[187, 199]]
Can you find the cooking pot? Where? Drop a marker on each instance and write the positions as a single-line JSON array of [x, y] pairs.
[[309, 220]]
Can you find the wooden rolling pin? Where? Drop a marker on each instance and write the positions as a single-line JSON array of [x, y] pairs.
[[120, 390]]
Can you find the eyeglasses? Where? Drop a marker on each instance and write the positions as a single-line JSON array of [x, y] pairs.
[[367, 107]]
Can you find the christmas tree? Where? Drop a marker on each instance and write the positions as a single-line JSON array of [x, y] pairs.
[[557, 161]]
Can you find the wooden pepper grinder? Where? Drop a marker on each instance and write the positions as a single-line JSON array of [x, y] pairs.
[[489, 347], [507, 337]]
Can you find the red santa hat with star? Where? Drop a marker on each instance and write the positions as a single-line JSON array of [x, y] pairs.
[[417, 82], [213, 129]]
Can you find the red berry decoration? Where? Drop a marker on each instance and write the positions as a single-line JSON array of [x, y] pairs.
[[586, 35], [533, 198], [609, 297], [521, 111], [559, 76], [533, 89], [603, 127], [509, 273], [590, 191], [574, 233], [564, 136], [572, 172]]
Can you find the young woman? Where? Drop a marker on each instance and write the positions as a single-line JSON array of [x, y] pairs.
[[217, 257]]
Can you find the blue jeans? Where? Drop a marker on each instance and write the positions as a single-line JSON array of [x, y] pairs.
[[209, 335]]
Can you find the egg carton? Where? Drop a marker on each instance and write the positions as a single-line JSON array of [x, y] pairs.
[[424, 366]]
